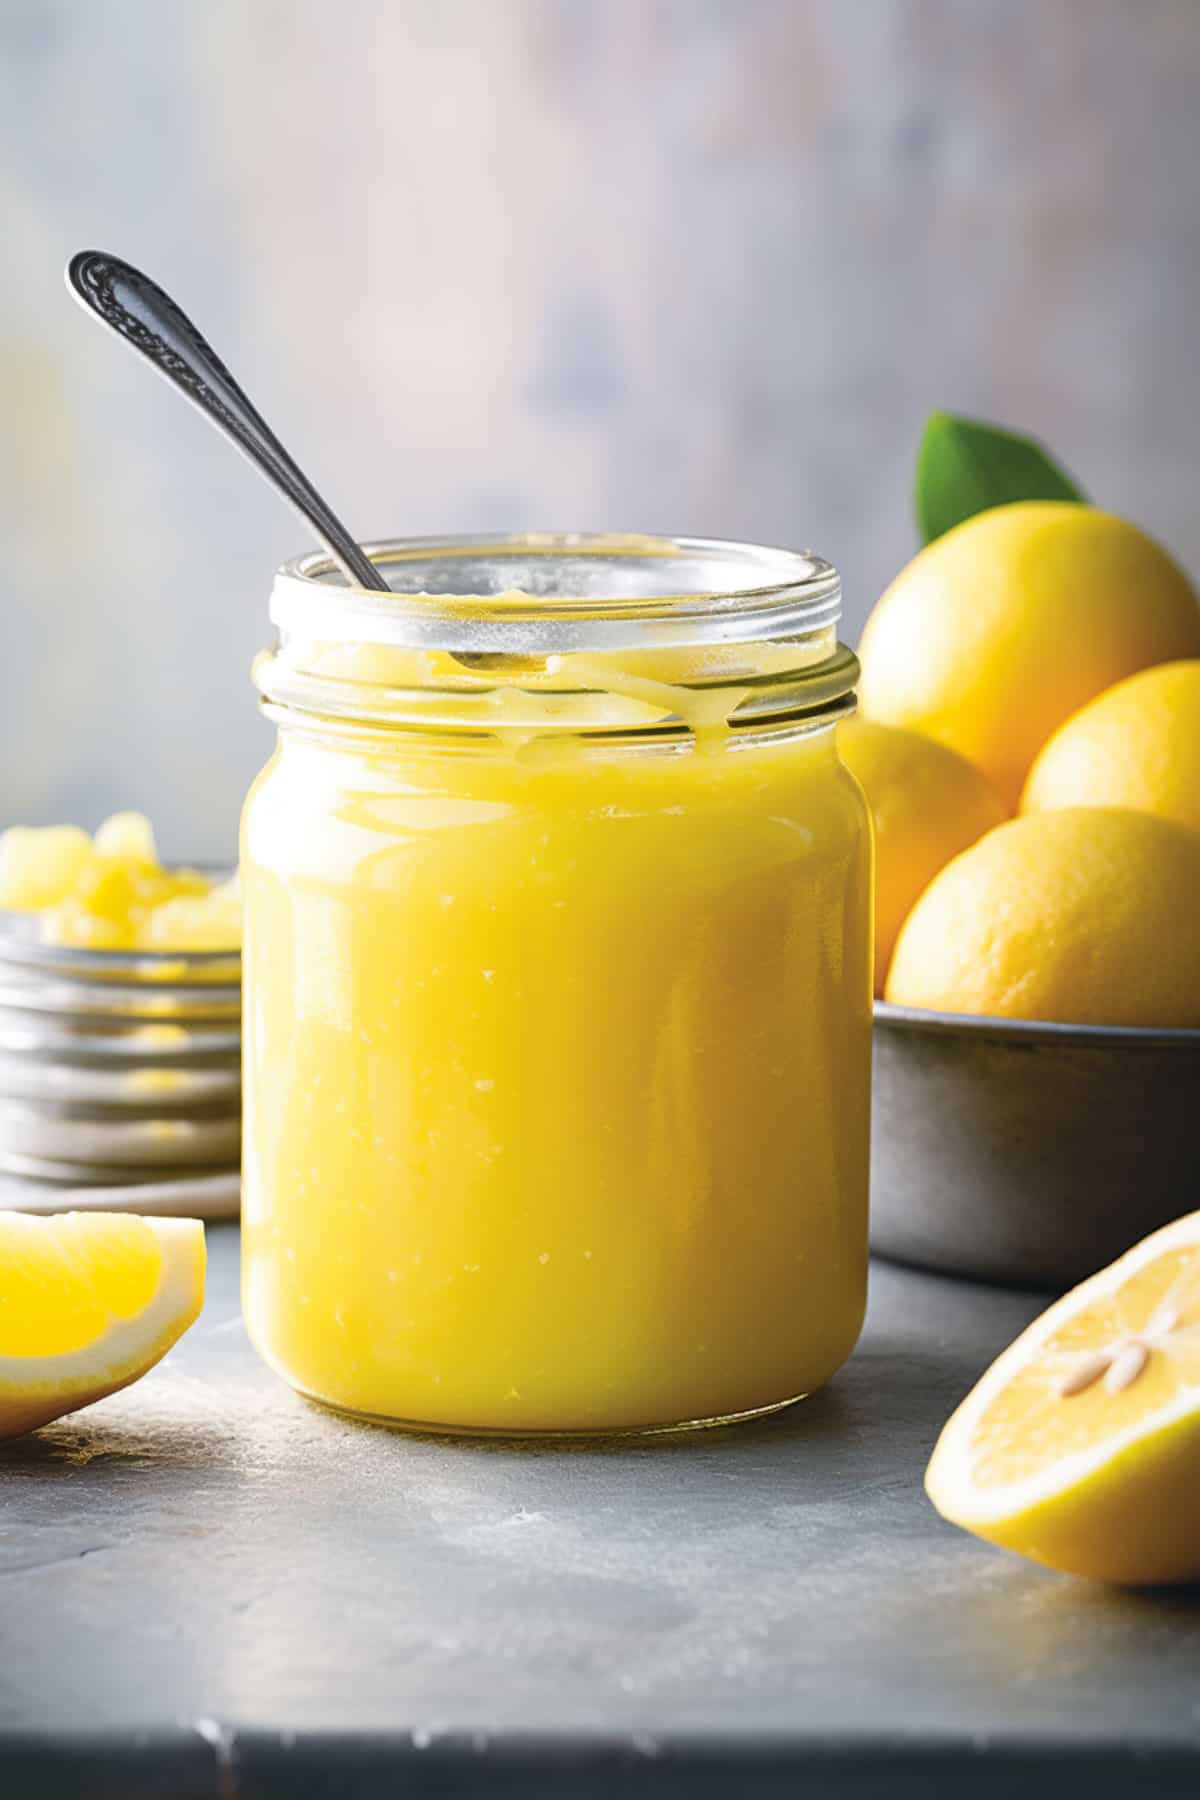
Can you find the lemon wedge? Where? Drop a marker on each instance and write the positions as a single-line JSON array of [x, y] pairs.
[[1080, 1447], [88, 1302]]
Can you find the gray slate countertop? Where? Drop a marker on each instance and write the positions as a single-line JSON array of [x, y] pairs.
[[209, 1588]]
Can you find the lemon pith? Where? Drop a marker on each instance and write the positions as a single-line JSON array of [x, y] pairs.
[[1080, 1446]]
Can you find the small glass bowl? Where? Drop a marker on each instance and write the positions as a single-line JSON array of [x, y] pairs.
[[120, 1076]]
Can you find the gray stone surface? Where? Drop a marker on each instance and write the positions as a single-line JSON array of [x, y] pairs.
[[208, 1560]]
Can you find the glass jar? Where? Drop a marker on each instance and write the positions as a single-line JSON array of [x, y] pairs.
[[557, 982]]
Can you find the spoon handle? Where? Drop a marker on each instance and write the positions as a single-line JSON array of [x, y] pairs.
[[147, 318]]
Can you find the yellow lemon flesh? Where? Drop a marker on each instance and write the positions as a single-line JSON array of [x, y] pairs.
[[1136, 745], [111, 892], [927, 804], [996, 633], [1080, 1447], [1088, 916], [88, 1302]]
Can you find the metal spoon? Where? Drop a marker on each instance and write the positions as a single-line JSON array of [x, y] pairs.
[[147, 318]]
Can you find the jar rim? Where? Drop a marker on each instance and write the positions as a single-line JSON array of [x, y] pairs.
[[458, 596]]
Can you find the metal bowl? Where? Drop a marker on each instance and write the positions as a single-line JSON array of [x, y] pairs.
[[117, 1068], [1028, 1152]]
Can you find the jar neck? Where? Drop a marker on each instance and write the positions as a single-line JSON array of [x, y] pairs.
[[707, 694], [545, 634]]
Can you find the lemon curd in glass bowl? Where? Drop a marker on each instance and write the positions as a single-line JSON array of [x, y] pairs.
[[557, 987]]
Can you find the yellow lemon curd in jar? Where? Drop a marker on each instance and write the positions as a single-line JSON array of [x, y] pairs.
[[556, 1051], [111, 892]]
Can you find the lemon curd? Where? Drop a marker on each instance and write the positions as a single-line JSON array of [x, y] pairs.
[[111, 892], [557, 986]]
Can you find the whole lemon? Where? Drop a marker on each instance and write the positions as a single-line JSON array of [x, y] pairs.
[[997, 632], [1089, 916], [1137, 745], [927, 802]]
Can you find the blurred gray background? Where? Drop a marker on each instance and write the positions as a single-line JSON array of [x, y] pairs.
[[684, 265]]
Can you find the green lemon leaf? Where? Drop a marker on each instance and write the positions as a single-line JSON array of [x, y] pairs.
[[965, 466]]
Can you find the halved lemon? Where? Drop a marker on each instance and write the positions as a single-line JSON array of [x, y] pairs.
[[88, 1302], [1080, 1447]]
